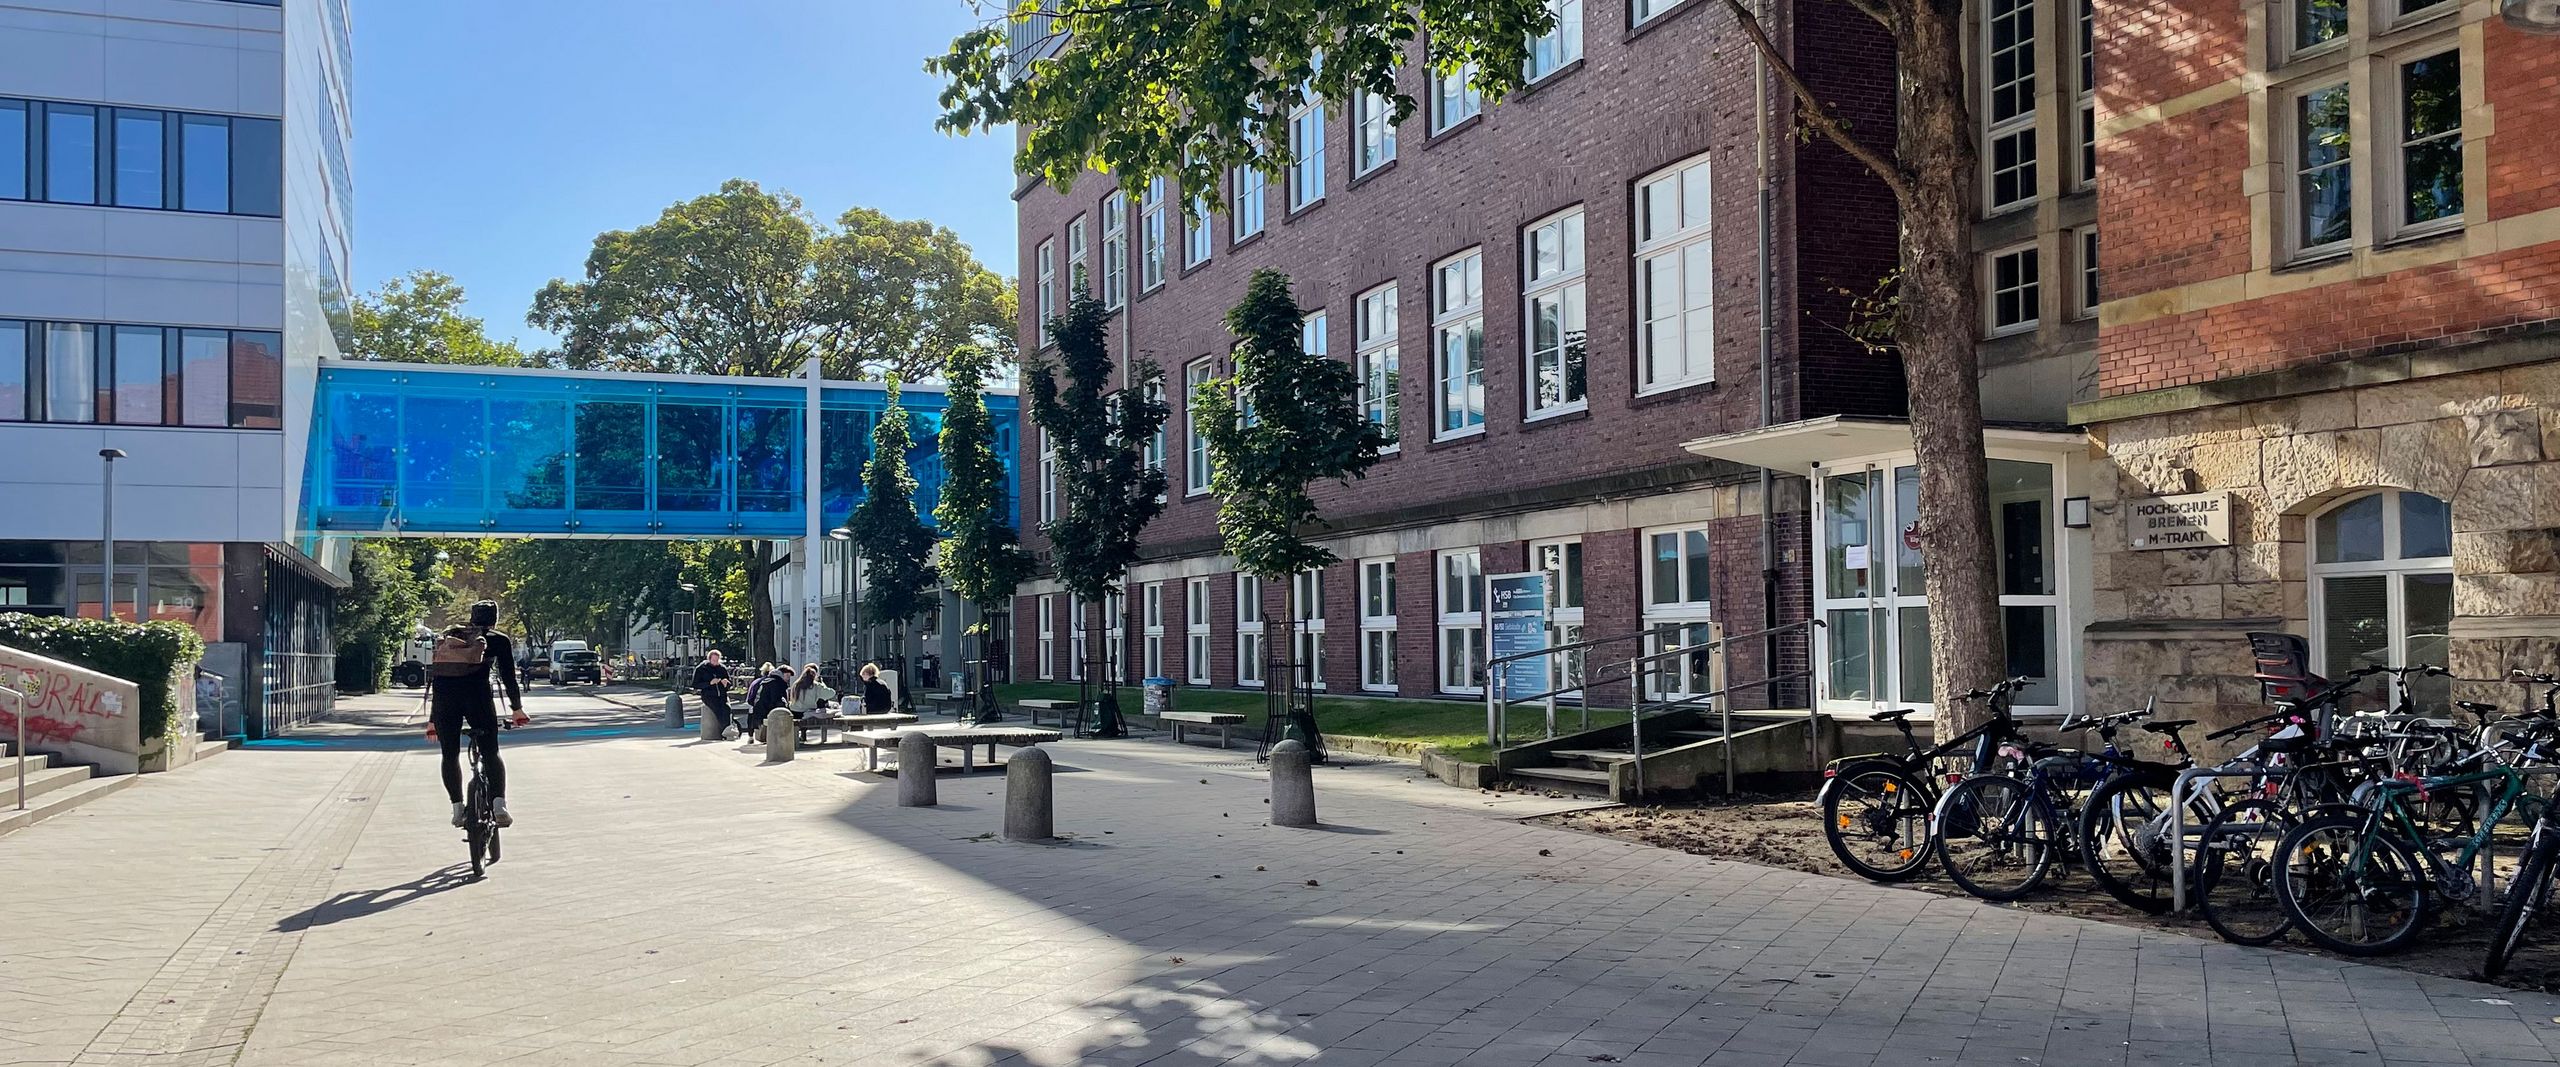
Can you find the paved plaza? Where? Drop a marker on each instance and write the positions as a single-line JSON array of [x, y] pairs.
[[670, 901]]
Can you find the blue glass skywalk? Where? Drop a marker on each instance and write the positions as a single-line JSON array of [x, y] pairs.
[[474, 451]]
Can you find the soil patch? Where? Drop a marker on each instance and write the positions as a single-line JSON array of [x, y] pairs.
[[1786, 832]]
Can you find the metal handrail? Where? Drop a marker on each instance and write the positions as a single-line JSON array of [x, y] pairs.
[[1574, 647]]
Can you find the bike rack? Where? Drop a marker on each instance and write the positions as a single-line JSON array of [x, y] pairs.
[[2179, 795]]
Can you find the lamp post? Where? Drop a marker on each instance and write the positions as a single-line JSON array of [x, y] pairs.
[[695, 617], [107, 536], [847, 609]]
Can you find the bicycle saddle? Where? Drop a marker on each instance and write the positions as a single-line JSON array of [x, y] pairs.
[[2166, 727], [1896, 715], [2475, 707]]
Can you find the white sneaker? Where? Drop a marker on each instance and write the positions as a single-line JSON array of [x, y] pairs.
[[729, 732], [461, 814], [498, 811]]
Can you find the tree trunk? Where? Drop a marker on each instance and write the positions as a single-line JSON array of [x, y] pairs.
[[760, 569], [1936, 330]]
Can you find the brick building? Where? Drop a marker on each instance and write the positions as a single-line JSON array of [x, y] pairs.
[[2333, 281], [1616, 204]]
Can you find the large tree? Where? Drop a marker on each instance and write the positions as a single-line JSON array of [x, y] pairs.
[[418, 318], [1107, 490], [1286, 420], [745, 281], [979, 557], [1187, 89], [895, 546]]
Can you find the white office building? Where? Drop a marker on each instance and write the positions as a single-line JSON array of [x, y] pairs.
[[175, 213]]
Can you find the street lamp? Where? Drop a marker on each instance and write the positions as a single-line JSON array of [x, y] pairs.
[[846, 609], [696, 615], [107, 537]]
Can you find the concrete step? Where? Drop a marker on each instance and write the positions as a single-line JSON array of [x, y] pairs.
[[1592, 755], [39, 782], [212, 746], [1579, 779], [36, 762], [60, 800]]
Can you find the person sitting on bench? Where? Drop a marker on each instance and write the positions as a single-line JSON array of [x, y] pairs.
[[809, 695]]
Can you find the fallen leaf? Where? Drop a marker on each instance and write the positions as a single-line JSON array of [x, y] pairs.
[[1311, 881], [1544, 852], [1261, 868]]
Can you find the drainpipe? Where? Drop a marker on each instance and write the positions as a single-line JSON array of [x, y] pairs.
[[1762, 144]]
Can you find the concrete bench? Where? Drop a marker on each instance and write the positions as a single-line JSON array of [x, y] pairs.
[[1059, 709], [965, 738], [824, 721], [1223, 720]]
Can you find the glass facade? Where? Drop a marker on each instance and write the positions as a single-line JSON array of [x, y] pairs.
[[480, 452]]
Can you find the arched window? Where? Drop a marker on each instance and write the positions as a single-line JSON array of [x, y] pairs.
[[2382, 586]]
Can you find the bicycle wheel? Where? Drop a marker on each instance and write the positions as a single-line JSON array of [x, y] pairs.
[[493, 842], [2234, 881], [2124, 840], [476, 827], [1995, 837], [1876, 818], [2349, 892], [2526, 894]]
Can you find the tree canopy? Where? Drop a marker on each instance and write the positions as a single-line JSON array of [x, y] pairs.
[[1305, 426], [1107, 490], [417, 318]]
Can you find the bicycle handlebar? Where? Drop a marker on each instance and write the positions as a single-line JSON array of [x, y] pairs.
[[1997, 689], [2237, 729]]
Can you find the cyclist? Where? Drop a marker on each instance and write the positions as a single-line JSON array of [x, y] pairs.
[[461, 674]]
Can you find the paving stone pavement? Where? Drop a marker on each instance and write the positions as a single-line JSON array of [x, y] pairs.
[[668, 901]]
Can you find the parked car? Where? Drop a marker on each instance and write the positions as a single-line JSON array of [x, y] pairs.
[[536, 667], [576, 665]]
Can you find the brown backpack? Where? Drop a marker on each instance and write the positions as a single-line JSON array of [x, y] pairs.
[[459, 652]]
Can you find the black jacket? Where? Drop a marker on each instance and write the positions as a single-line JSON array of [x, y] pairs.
[[707, 673], [766, 693], [876, 699]]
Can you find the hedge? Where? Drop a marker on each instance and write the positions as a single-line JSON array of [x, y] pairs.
[[148, 655]]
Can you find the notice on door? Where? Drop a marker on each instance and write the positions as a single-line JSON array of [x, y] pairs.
[[2196, 520]]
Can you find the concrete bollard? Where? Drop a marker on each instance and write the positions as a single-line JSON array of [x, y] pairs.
[[781, 736], [675, 711], [916, 759], [1293, 785], [1028, 814]]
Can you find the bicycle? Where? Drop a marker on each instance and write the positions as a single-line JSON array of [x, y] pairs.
[[1999, 833], [2529, 892], [480, 809], [1875, 807], [2124, 824]]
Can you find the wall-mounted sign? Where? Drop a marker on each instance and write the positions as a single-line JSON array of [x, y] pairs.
[[2196, 520]]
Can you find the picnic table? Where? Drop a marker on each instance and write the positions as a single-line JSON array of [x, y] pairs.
[[1059, 708], [823, 721], [965, 738], [953, 704], [1223, 720]]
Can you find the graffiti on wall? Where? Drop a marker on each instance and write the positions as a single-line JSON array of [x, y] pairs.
[[61, 707]]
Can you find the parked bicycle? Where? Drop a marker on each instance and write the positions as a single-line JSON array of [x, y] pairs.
[[1875, 807], [2000, 833]]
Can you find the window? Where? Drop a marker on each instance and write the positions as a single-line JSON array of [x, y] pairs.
[[1156, 446], [1562, 45], [141, 368], [13, 149], [1551, 273], [257, 380], [1048, 477], [1246, 184], [2087, 299], [70, 373], [1151, 625], [1454, 97], [1378, 625], [1250, 656], [2428, 172], [1195, 632], [1561, 562], [1115, 636], [2014, 290], [2402, 12], [1048, 637], [140, 375], [2382, 587], [141, 173], [204, 377], [1075, 639], [1047, 306], [1306, 151], [1115, 250], [1307, 632], [1675, 277], [1678, 602], [1197, 239], [204, 153], [1374, 116], [2323, 208], [70, 154], [1196, 468], [1642, 11], [1374, 341], [2088, 94], [1152, 233], [17, 377], [1461, 621], [2317, 22], [1311, 333], [1457, 343], [2009, 96], [1077, 277]]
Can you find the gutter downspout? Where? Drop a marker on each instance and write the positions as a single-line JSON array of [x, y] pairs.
[[1766, 149]]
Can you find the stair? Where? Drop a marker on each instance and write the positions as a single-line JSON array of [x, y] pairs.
[[1571, 779], [51, 790]]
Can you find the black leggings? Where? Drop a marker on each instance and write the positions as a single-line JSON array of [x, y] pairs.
[[484, 736]]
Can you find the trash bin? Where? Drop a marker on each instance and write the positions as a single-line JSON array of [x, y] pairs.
[[1159, 698]]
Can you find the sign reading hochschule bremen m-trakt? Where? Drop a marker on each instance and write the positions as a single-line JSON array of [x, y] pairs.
[[2196, 520]]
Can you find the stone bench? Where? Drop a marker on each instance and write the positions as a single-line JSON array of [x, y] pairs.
[[1223, 720], [1057, 708], [824, 721], [965, 738]]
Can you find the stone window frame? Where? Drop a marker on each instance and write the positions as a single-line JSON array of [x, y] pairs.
[[2017, 128], [2365, 57], [2031, 281], [1378, 631], [2392, 565], [2086, 286]]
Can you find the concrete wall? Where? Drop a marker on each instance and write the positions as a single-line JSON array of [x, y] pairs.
[[80, 714]]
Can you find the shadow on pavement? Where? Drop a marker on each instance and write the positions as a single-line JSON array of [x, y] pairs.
[[361, 903]]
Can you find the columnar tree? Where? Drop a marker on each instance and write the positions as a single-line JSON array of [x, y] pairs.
[[1285, 420], [1107, 490], [1188, 89], [979, 557], [893, 544]]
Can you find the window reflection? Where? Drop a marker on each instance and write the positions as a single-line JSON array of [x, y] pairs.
[[689, 453], [529, 454], [612, 456]]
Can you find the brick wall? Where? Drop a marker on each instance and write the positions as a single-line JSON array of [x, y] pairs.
[[2170, 225]]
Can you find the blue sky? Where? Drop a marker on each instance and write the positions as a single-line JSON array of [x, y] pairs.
[[496, 138]]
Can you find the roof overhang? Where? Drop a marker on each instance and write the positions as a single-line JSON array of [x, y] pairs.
[[1797, 447]]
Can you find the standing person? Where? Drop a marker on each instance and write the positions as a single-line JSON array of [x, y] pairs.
[[766, 693], [466, 661], [711, 682], [876, 698]]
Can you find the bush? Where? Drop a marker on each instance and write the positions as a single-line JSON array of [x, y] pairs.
[[148, 655]]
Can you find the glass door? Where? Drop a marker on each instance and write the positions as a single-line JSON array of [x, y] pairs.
[[1848, 599]]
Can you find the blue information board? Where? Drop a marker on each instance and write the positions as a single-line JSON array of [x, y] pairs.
[[1518, 605]]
